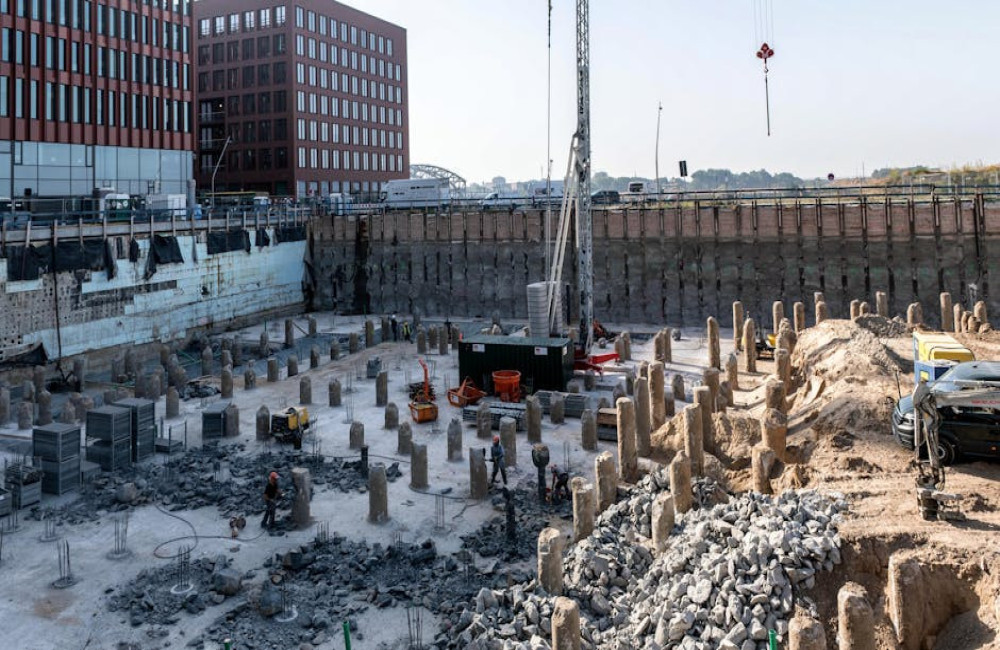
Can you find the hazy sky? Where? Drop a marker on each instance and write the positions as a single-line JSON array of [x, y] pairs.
[[879, 83]]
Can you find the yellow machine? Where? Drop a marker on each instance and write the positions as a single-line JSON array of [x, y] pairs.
[[935, 346], [290, 425]]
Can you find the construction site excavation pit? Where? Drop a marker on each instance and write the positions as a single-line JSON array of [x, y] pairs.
[[769, 508]]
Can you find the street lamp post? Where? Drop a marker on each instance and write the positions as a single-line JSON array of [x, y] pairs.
[[659, 112], [216, 170]]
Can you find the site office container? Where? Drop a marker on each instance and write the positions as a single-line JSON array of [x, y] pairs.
[[544, 363]]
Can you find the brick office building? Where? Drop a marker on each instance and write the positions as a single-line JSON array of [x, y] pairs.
[[95, 93], [305, 98]]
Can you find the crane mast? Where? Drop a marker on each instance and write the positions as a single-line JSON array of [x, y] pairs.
[[584, 220]]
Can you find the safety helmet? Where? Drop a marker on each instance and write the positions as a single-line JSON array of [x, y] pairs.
[[496, 438], [274, 476]]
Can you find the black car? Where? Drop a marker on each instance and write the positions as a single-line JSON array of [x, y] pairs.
[[605, 197], [965, 430]]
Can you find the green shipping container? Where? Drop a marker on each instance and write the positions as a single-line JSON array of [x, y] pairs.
[[544, 363]]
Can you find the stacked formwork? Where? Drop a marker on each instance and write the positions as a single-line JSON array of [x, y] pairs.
[[213, 420], [23, 480], [109, 436], [143, 432], [58, 447]]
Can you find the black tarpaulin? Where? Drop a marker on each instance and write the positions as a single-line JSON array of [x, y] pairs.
[[34, 356], [73, 256], [27, 263], [133, 251], [109, 259], [290, 233], [225, 242], [263, 239], [166, 250]]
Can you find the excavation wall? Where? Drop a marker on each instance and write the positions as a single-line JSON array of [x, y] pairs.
[[676, 264]]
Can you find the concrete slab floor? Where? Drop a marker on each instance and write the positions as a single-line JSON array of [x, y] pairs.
[[36, 616]]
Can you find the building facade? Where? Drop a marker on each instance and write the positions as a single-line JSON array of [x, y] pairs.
[[95, 93], [300, 99]]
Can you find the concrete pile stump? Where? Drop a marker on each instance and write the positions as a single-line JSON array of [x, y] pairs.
[[237, 354], [703, 400], [293, 366], [733, 371], [305, 391], [263, 423], [777, 314], [508, 438], [263, 345], [714, 345], [249, 379], [382, 388], [957, 312], [443, 343], [231, 415], [882, 304], [478, 483], [289, 333], [356, 435], [303, 494], [799, 316], [738, 318], [761, 461], [334, 350], [774, 394], [855, 619], [914, 314], [947, 313], [822, 313], [855, 309], [226, 383], [206, 361], [68, 414], [369, 334], [226, 358], [662, 520], [313, 325], [25, 415], [606, 479], [680, 482], [583, 509], [154, 387], [454, 440], [677, 387], [86, 405], [313, 357], [129, 362], [668, 353], [979, 312], [566, 625], [643, 417], [139, 387], [272, 370], [432, 337], [79, 373], [588, 430], [353, 343], [783, 366], [628, 461], [710, 379], [557, 408], [333, 392], [626, 336], [421, 341], [694, 442], [550, 561], [391, 415], [865, 309], [418, 467], [117, 370], [456, 337], [750, 345], [404, 439], [386, 330], [658, 414], [44, 407], [176, 375], [620, 348], [484, 421], [173, 403], [806, 634], [378, 494], [726, 397], [4, 406], [907, 593], [657, 346], [774, 432], [533, 419]]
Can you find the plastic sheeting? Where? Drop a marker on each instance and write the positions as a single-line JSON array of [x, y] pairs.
[[263, 239], [167, 250], [290, 233], [72, 255], [225, 242]]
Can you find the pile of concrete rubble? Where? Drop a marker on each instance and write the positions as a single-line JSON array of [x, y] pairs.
[[725, 580]]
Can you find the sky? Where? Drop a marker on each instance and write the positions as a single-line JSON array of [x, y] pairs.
[[854, 84]]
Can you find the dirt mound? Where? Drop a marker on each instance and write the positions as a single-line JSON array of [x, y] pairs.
[[882, 327], [840, 350]]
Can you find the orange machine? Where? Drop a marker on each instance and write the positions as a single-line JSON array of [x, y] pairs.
[[422, 406], [465, 395]]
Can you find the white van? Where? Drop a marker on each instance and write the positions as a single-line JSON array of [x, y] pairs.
[[416, 193]]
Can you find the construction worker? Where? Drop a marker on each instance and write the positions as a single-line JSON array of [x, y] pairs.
[[497, 457], [271, 496], [407, 331], [395, 327], [560, 485]]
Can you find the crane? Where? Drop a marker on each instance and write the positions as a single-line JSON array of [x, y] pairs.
[[576, 198]]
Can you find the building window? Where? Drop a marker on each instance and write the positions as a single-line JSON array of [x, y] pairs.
[[280, 101], [264, 74], [279, 15], [265, 17], [302, 158], [281, 129], [281, 158], [263, 47], [279, 72], [388, 48], [311, 21], [248, 20], [280, 45], [300, 17]]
